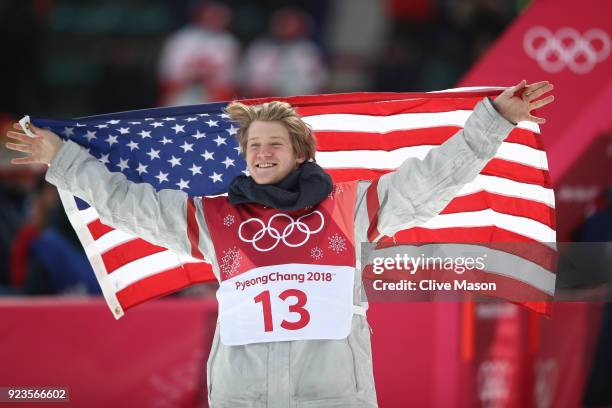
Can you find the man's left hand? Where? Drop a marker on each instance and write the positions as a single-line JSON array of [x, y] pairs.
[[516, 103]]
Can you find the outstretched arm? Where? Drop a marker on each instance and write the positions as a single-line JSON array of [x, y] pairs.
[[159, 217]]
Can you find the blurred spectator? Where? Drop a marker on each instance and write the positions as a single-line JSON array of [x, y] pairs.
[[285, 62], [357, 32], [198, 63], [42, 258], [37, 254]]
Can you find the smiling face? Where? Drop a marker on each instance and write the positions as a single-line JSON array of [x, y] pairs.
[[269, 152]]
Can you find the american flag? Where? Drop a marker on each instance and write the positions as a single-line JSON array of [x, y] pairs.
[[359, 136]]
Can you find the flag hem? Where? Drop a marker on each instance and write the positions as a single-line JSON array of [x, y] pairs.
[[95, 258]]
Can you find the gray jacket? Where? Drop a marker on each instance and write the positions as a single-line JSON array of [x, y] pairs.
[[309, 373]]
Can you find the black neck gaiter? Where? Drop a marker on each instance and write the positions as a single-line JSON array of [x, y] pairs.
[[306, 186]]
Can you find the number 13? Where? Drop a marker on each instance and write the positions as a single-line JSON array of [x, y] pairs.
[[298, 307]]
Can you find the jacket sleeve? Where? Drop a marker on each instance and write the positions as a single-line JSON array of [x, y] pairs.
[[419, 189], [168, 218]]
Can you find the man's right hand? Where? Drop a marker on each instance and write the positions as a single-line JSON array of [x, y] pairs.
[[41, 149]]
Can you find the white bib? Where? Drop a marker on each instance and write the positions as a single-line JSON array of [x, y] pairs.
[[286, 302]]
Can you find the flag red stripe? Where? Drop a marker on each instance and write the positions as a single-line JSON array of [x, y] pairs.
[[397, 107], [496, 167], [373, 206], [164, 283], [330, 141], [508, 205], [485, 234], [98, 229], [334, 102], [517, 172], [128, 252]]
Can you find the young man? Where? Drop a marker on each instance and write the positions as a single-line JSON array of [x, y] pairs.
[[284, 244]]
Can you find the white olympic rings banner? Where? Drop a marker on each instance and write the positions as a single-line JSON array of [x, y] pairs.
[[269, 230], [567, 48]]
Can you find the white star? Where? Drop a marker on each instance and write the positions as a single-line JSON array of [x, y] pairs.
[[199, 135], [104, 159], [133, 145], [162, 176], [145, 133], [246, 172], [187, 147], [168, 118], [207, 155], [183, 184], [111, 140], [124, 131], [134, 123], [68, 131], [228, 162], [216, 177], [123, 164], [224, 116], [102, 126], [178, 128], [154, 154], [191, 119], [238, 149], [203, 114], [195, 169], [80, 124], [219, 141], [232, 130], [212, 123], [175, 161], [141, 169], [112, 121], [157, 124], [148, 118], [165, 141], [90, 135]]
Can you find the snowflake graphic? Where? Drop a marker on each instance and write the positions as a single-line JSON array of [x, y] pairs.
[[338, 188], [316, 253], [230, 261], [337, 243], [228, 220]]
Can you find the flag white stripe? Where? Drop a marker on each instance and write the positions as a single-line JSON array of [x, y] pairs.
[[520, 225], [509, 188], [89, 215], [112, 239], [144, 267], [381, 159], [344, 122]]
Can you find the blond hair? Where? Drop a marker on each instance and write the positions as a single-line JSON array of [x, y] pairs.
[[302, 139]]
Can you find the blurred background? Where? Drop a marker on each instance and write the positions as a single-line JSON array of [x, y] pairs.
[[69, 58], [75, 58]]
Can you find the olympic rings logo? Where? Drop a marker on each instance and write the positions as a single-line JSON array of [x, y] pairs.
[[567, 48], [276, 234]]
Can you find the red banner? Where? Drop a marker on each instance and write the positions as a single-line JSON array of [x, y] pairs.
[[569, 43], [152, 358], [425, 354]]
